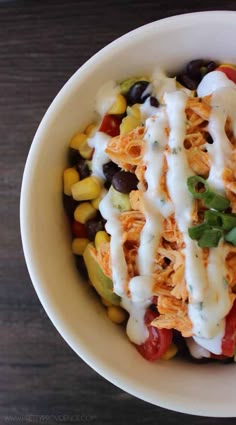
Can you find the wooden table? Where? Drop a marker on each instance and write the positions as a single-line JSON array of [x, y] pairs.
[[42, 43]]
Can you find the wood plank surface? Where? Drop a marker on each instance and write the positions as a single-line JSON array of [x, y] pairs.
[[42, 43]]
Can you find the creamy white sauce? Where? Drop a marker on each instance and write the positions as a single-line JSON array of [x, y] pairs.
[[177, 175], [141, 286], [136, 328], [147, 110], [223, 104], [212, 344], [195, 275], [156, 140], [162, 84], [196, 350], [209, 299], [140, 293], [106, 96], [118, 262], [216, 302], [99, 143], [213, 81]]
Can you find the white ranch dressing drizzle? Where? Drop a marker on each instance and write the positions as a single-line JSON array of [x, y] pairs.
[[140, 294], [106, 96], [177, 175], [213, 81], [99, 143], [140, 287], [212, 344], [136, 328], [223, 103], [147, 110], [196, 350], [216, 303], [156, 140], [162, 84], [204, 286], [113, 227]]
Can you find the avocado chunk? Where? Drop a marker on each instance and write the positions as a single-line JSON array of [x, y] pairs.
[[120, 200], [99, 280]]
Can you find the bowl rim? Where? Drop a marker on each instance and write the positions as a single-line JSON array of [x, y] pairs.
[[83, 351]]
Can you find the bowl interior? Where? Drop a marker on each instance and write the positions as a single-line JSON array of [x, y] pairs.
[[70, 304]]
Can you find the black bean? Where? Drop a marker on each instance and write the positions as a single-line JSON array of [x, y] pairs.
[[209, 139], [197, 68], [107, 185], [187, 81], [80, 264], [82, 168], [73, 157], [207, 67], [94, 225], [109, 169], [194, 69], [69, 204], [154, 102], [124, 181], [136, 93], [211, 66]]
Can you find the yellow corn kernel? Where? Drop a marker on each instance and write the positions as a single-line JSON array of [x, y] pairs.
[[95, 202], [129, 123], [116, 314], [90, 128], [134, 111], [77, 140], [119, 106], [84, 212], [70, 177], [101, 237], [85, 150], [106, 303], [86, 189], [170, 353], [79, 245]]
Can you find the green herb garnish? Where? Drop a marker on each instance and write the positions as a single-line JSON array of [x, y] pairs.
[[217, 222]]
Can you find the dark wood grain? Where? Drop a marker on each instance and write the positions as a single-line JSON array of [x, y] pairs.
[[42, 43]]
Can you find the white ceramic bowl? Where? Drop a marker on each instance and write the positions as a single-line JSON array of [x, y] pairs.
[[198, 389]]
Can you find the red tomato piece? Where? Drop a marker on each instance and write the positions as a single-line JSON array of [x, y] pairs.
[[158, 340], [110, 125], [218, 356], [78, 229], [229, 71], [229, 339]]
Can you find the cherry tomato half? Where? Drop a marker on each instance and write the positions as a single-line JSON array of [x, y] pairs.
[[158, 340], [229, 338], [79, 229], [110, 125], [229, 71]]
